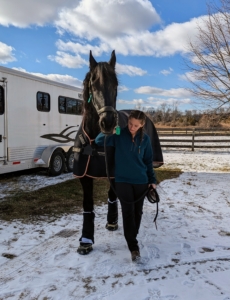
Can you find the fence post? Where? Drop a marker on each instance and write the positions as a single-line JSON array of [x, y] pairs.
[[193, 138]]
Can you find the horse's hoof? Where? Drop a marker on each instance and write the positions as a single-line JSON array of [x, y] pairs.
[[111, 227], [84, 248]]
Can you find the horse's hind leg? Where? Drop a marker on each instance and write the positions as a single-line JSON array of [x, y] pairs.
[[87, 237], [112, 215]]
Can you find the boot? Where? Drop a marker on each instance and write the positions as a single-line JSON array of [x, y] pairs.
[[135, 255]]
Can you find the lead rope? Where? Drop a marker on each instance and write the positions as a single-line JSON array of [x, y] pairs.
[[155, 200]]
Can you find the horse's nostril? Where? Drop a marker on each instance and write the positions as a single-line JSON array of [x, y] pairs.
[[103, 123], [107, 123]]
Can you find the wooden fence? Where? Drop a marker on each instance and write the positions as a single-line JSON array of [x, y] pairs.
[[190, 138]]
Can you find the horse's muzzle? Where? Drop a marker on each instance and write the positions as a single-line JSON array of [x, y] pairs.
[[108, 120], [107, 124]]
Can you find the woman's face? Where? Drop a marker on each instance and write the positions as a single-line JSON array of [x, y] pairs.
[[134, 125]]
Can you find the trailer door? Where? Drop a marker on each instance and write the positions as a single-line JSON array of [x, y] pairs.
[[2, 116]]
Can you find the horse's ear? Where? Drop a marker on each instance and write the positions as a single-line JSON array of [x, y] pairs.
[[112, 61], [92, 61]]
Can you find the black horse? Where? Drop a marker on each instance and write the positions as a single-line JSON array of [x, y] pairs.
[[100, 115]]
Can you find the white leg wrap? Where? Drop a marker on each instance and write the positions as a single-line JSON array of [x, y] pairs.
[[85, 240], [112, 202]]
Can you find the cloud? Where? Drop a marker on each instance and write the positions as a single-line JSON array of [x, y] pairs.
[[24, 13], [94, 19], [155, 102], [169, 101], [76, 61], [124, 25], [130, 70], [188, 76], [67, 79], [166, 72], [131, 102], [84, 49], [170, 40], [68, 60], [178, 93], [6, 53], [140, 40], [122, 88]]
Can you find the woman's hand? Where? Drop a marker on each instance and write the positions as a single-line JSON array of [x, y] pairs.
[[153, 185]]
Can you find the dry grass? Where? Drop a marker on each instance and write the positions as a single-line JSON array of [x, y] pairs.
[[54, 201], [224, 169]]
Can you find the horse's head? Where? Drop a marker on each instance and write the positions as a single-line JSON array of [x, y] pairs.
[[102, 89]]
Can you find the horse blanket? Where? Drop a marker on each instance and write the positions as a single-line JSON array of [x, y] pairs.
[[89, 159]]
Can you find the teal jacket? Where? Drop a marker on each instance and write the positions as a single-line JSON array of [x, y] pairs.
[[133, 160]]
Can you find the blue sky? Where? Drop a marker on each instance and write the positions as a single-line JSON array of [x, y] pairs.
[[52, 39]]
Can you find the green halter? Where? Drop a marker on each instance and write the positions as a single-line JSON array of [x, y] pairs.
[[90, 98]]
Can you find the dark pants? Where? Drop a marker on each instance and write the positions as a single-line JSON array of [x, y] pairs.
[[132, 211]]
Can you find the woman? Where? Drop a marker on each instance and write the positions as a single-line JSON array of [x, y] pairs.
[[133, 174]]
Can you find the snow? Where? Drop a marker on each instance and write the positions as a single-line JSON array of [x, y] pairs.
[[187, 258], [30, 183]]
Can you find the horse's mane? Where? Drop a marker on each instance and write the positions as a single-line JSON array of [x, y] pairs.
[[101, 71], [86, 91]]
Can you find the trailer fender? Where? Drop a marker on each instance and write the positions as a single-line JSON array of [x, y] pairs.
[[44, 161]]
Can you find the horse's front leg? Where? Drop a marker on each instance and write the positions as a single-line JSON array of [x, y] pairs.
[[112, 215], [87, 237]]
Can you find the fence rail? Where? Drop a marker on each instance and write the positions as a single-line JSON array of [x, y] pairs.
[[194, 141]]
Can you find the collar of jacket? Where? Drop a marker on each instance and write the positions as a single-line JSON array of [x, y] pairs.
[[136, 135]]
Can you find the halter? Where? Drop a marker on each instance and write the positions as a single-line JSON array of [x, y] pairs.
[[104, 109]]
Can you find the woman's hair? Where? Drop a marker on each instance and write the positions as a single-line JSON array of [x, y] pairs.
[[139, 115]]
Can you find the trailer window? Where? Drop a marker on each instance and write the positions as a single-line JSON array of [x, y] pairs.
[[69, 106], [1, 100], [43, 101]]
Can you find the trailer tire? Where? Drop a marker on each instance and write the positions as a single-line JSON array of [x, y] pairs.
[[57, 163], [69, 160]]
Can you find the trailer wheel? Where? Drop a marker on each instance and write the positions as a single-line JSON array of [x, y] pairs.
[[69, 160], [57, 163]]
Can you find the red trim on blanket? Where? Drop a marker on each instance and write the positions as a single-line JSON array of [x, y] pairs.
[[90, 142]]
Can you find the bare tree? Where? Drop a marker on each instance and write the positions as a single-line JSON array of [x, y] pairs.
[[209, 62]]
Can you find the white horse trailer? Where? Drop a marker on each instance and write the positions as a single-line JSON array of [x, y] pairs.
[[39, 119]]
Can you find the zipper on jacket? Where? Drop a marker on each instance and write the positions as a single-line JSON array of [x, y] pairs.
[[133, 145]]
